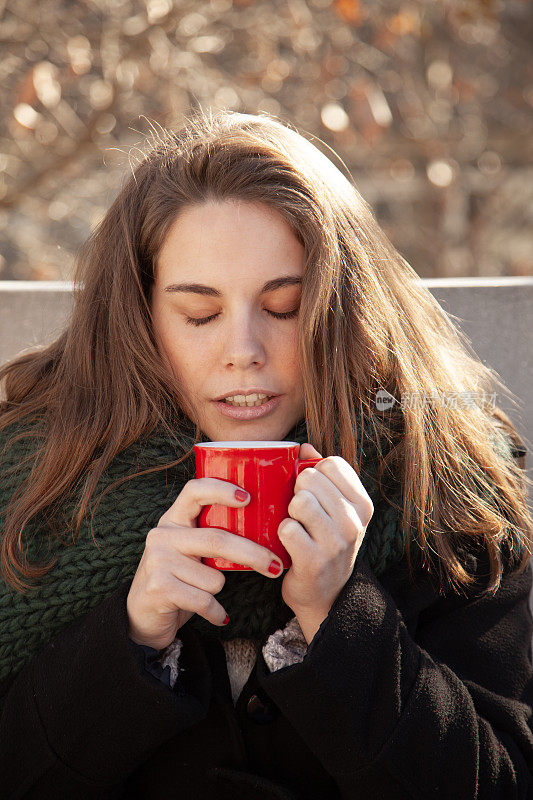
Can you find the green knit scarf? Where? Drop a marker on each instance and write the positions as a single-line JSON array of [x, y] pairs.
[[91, 569]]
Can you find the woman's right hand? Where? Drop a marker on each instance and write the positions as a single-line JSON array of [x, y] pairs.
[[171, 583]]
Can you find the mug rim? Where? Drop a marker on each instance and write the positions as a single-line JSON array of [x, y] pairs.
[[270, 445]]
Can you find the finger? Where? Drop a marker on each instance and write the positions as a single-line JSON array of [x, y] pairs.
[[189, 598], [348, 482], [196, 574], [315, 491], [305, 509], [217, 543], [308, 451], [324, 490], [199, 492], [297, 540]]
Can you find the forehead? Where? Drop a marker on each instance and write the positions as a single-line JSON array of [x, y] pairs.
[[218, 213], [224, 238]]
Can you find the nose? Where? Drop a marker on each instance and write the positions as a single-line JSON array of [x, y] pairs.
[[243, 343]]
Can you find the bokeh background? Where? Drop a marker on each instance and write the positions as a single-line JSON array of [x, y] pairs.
[[427, 102]]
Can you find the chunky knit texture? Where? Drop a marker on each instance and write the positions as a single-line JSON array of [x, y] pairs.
[[89, 570]]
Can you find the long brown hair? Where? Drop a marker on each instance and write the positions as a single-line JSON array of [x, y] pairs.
[[366, 326]]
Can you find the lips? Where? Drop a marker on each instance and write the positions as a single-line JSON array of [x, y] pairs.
[[246, 393], [247, 412]]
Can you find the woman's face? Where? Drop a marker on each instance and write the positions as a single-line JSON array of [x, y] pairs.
[[217, 261]]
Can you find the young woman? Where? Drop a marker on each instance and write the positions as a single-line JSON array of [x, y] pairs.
[[393, 659]]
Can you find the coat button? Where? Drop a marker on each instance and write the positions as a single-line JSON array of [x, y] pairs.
[[260, 711]]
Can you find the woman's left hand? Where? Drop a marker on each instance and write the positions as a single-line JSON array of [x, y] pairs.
[[329, 515]]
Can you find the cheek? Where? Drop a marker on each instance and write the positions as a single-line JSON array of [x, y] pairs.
[[187, 357], [185, 361], [163, 336], [288, 363], [167, 342], [287, 349]]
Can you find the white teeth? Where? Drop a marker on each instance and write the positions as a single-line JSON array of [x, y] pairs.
[[251, 400]]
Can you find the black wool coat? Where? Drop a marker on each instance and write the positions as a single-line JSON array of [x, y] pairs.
[[403, 693]]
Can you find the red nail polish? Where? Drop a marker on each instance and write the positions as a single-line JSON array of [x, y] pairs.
[[275, 567], [226, 620], [241, 495]]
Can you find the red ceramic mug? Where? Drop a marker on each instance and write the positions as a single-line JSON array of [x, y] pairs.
[[268, 471]]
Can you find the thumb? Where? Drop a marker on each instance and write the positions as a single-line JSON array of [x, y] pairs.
[[308, 451]]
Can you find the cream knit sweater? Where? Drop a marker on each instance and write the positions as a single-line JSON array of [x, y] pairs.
[[284, 647]]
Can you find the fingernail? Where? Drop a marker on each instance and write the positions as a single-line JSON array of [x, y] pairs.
[[275, 567], [241, 495], [226, 620]]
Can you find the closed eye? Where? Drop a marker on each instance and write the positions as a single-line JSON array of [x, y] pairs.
[[204, 320]]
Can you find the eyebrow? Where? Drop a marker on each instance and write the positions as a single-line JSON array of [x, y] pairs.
[[200, 288]]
